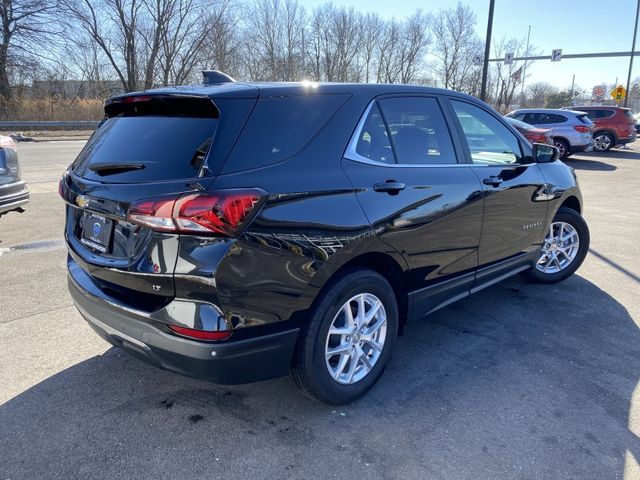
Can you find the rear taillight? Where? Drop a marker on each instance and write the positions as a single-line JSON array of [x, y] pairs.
[[221, 213], [581, 128], [200, 334], [538, 138]]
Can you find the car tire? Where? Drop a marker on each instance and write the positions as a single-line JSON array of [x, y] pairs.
[[563, 148], [331, 379], [603, 142], [567, 224]]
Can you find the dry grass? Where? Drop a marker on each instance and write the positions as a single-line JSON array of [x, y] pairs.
[[54, 109]]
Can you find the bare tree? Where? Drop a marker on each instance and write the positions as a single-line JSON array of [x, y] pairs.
[[403, 47], [538, 93], [25, 24], [273, 40], [455, 45], [509, 76]]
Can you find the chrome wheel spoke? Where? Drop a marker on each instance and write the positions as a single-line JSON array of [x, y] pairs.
[[344, 359], [343, 348], [348, 315], [340, 330], [560, 248]]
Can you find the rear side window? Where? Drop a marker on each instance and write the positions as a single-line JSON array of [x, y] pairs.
[[419, 134], [279, 127], [584, 119], [129, 149], [373, 141]]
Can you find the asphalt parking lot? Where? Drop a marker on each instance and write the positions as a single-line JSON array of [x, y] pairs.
[[517, 382]]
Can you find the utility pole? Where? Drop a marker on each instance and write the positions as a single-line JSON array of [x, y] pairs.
[[573, 83], [524, 68], [487, 50], [633, 49]]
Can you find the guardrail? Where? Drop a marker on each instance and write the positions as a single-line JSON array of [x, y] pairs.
[[14, 126]]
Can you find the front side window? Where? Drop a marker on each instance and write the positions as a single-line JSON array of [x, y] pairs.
[[490, 142], [418, 131]]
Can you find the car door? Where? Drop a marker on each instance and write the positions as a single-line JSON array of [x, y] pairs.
[[403, 165], [515, 203]]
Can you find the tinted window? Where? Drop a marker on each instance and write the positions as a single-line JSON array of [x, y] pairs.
[[490, 142], [373, 142], [161, 148], [418, 131], [531, 118], [279, 127], [540, 118]]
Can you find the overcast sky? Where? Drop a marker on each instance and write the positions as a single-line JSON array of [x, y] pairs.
[[575, 26]]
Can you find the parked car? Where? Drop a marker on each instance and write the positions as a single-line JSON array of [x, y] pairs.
[[235, 232], [613, 126], [14, 193], [571, 130], [531, 133]]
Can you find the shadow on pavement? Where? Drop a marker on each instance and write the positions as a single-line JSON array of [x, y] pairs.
[[617, 153], [588, 164], [519, 381]]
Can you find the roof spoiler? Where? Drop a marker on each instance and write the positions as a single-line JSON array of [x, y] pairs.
[[214, 77]]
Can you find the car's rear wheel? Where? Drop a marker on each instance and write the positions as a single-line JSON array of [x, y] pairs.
[[348, 341], [603, 142], [564, 248], [563, 148]]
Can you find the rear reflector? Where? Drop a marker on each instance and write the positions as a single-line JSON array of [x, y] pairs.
[[200, 334], [581, 129], [221, 213]]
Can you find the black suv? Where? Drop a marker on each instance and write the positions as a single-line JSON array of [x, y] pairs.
[[237, 232]]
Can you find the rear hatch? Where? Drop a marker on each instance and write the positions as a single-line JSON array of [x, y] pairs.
[[149, 145]]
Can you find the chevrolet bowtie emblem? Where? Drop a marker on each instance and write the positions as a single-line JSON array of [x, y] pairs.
[[82, 201]]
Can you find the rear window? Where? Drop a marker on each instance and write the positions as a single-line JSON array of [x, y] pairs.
[[584, 118], [147, 148], [279, 127]]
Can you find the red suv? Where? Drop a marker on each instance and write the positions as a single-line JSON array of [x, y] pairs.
[[612, 126]]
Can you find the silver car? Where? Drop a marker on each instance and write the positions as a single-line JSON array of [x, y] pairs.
[[571, 130], [14, 193]]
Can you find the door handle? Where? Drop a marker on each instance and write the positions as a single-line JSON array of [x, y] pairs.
[[390, 186], [492, 180]]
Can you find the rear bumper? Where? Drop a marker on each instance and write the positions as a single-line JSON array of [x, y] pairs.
[[229, 362], [13, 196]]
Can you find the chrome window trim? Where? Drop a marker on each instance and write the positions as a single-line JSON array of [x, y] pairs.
[[351, 153]]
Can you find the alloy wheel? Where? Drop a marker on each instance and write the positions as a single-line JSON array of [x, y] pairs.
[[602, 142], [559, 249], [562, 149], [356, 338]]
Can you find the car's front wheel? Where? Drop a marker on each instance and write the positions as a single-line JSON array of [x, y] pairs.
[[348, 341], [564, 248]]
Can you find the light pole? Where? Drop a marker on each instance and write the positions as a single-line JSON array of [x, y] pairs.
[[487, 49], [633, 49]]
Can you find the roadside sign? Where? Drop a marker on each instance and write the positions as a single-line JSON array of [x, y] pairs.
[[556, 55], [599, 92], [618, 93], [508, 58], [477, 60]]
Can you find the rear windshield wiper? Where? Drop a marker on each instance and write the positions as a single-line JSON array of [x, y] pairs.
[[111, 168]]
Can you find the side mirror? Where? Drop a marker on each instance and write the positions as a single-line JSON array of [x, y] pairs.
[[543, 153]]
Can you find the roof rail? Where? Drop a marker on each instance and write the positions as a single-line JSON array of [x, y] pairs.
[[213, 77]]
